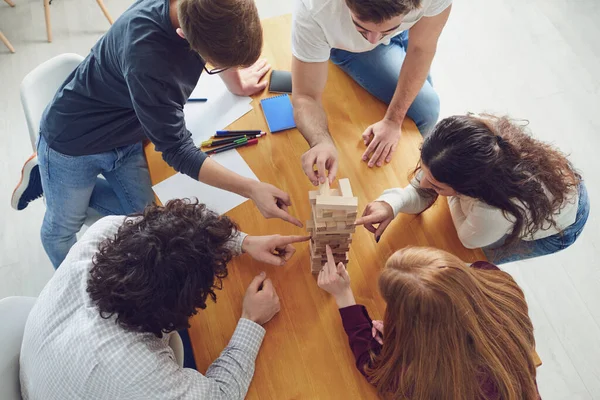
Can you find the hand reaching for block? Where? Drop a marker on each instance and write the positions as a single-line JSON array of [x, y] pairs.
[[377, 212], [273, 249], [334, 279]]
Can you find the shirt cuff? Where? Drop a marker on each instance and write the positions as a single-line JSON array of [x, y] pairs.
[[393, 200], [248, 336], [236, 241], [354, 315]]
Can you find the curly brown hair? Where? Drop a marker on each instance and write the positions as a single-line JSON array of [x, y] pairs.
[[161, 266], [495, 160]]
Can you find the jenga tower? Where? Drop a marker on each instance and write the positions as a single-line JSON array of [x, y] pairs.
[[332, 223]]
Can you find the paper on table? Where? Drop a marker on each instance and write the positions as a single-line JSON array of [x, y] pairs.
[[181, 186], [222, 108]]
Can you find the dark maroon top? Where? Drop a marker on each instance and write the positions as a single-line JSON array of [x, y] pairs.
[[357, 325]]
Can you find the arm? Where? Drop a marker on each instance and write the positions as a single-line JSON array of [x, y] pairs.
[[246, 81], [409, 200], [357, 325], [310, 51], [308, 83], [227, 378], [480, 225], [382, 137], [422, 46]]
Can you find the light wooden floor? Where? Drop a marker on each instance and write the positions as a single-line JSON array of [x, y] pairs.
[[534, 59]]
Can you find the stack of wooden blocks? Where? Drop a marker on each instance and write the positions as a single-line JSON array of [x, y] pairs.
[[333, 216]]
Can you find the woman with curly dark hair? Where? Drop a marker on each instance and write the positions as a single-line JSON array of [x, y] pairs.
[[508, 193], [102, 324]]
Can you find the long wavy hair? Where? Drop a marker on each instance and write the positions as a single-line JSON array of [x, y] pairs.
[[493, 159], [161, 266], [452, 332]]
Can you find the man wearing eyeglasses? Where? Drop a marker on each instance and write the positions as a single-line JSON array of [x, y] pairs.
[[387, 47], [131, 87]]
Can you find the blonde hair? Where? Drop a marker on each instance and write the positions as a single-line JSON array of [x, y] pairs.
[[449, 328]]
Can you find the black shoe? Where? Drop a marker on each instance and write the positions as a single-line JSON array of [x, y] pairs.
[[30, 186]]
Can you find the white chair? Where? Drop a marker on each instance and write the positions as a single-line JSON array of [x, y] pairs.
[[37, 91], [13, 314], [176, 344]]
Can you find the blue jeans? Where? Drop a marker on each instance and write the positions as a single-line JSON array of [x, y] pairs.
[[71, 184], [524, 249], [378, 71]]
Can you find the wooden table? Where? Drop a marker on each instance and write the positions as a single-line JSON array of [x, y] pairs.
[[305, 354]]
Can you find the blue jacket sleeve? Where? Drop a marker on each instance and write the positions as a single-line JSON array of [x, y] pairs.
[[159, 107]]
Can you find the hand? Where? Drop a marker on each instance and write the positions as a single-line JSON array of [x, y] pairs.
[[324, 155], [382, 140], [377, 212], [336, 281], [274, 249], [248, 79], [272, 202], [261, 302], [377, 331]]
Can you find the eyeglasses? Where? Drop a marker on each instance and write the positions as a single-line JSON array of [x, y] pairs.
[[214, 71]]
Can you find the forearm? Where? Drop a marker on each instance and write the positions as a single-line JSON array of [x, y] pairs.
[[311, 119], [413, 74], [214, 174], [231, 78], [409, 200]]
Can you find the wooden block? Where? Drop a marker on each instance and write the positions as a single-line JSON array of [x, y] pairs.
[[324, 188], [335, 192], [351, 215], [320, 226], [312, 196], [345, 188], [332, 225], [337, 203], [326, 214]]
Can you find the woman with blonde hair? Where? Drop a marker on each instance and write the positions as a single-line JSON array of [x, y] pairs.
[[451, 331], [510, 194]]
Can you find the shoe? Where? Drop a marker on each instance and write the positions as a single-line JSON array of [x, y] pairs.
[[30, 186]]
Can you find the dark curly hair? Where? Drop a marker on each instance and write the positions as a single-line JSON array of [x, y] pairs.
[[495, 160], [161, 266]]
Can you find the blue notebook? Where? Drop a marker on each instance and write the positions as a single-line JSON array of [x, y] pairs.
[[278, 113]]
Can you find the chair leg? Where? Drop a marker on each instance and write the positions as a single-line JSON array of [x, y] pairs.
[[48, 22], [10, 3], [6, 42], [105, 11]]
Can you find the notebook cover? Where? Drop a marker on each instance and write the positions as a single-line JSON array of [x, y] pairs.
[[281, 82], [278, 113]]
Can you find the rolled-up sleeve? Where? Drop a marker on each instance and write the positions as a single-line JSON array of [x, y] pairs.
[[161, 116]]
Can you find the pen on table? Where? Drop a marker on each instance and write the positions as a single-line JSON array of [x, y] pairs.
[[226, 140], [197, 100], [242, 132], [232, 146]]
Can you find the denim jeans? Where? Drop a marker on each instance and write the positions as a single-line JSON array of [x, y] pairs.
[[378, 71], [72, 184], [524, 249]]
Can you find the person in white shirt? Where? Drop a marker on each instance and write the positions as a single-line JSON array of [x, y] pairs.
[[370, 41], [512, 195], [101, 327]]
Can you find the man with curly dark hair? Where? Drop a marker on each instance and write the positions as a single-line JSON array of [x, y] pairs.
[[102, 324]]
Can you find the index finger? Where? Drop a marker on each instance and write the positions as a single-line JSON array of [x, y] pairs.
[[321, 169], [367, 219], [330, 266], [279, 213], [292, 239]]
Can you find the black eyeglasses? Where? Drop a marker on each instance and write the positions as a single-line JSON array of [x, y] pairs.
[[214, 71]]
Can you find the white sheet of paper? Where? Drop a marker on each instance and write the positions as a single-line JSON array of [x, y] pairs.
[[222, 108], [181, 186]]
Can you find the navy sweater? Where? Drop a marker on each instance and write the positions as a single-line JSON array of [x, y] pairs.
[[131, 86]]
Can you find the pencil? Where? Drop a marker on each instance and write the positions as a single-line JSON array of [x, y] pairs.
[[231, 133], [216, 141], [197, 100], [232, 146]]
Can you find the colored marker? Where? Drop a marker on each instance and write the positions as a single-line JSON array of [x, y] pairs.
[[226, 140], [232, 146], [197, 100]]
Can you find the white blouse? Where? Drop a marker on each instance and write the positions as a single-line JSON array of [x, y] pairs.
[[478, 224]]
